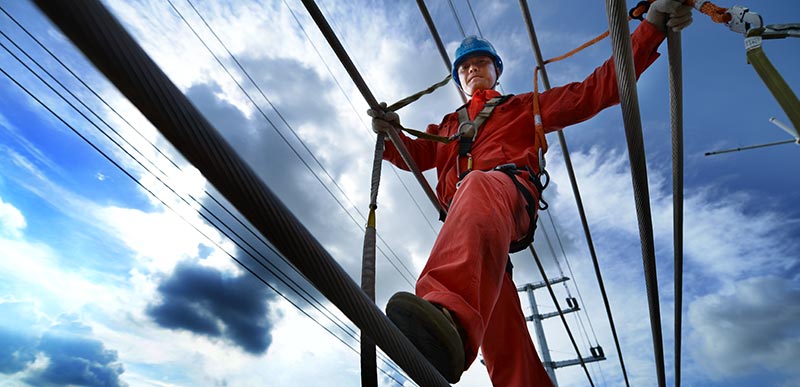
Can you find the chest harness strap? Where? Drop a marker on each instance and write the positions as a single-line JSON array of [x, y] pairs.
[[467, 133], [468, 130]]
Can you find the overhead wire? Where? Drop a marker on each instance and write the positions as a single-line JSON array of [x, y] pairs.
[[526, 13], [572, 274], [135, 130], [408, 278], [423, 9], [455, 16], [478, 26], [629, 104], [291, 284], [359, 115], [166, 205], [126, 64]]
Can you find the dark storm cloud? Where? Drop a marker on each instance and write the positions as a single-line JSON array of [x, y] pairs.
[[759, 320], [17, 351], [286, 83], [75, 359], [17, 340], [207, 302], [275, 162]]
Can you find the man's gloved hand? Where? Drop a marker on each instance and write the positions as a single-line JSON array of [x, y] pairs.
[[382, 120], [669, 13]]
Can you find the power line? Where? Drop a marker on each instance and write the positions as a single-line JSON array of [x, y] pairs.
[[295, 288], [147, 87], [526, 13], [263, 114], [458, 20], [474, 19], [571, 273], [360, 116], [125, 140], [164, 174]]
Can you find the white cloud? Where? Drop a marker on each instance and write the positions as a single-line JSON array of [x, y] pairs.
[[725, 242], [26, 264], [160, 239], [11, 220], [749, 329]]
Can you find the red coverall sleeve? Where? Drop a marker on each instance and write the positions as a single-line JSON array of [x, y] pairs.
[[422, 151], [578, 101]]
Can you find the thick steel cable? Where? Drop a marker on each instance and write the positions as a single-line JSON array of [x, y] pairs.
[[95, 31], [410, 278], [151, 162], [560, 312], [439, 45], [272, 269], [169, 207], [576, 192], [348, 64], [676, 119], [629, 101], [369, 375], [359, 115]]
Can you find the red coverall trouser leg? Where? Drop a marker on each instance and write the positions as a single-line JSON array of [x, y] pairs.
[[466, 274]]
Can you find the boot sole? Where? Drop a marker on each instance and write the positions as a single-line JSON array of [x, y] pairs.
[[430, 332]]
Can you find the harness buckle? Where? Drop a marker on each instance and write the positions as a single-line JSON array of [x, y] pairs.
[[508, 168], [468, 133]]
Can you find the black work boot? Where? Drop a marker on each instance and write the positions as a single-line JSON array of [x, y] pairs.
[[432, 330]]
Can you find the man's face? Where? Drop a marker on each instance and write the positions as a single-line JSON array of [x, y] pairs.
[[477, 73]]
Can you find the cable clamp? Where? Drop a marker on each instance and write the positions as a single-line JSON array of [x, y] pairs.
[[742, 20]]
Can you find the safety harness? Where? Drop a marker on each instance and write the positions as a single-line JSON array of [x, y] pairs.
[[467, 133]]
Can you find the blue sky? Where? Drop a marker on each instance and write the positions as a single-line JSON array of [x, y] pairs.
[[109, 281]]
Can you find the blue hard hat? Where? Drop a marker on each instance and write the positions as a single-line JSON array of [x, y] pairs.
[[472, 46]]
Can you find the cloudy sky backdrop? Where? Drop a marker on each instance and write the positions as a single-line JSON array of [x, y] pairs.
[[118, 262]]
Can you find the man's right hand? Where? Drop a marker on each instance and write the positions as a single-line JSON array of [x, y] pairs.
[[382, 120]]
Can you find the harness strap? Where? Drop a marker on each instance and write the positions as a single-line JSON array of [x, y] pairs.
[[468, 129], [531, 204]]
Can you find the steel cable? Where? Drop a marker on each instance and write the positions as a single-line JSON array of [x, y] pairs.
[[439, 45], [94, 30], [348, 64], [369, 377], [676, 119], [408, 279], [272, 269], [629, 101], [575, 190]]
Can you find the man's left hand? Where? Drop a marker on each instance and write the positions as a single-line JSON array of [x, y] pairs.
[[669, 14]]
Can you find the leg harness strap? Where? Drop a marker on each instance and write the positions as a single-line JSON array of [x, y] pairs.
[[531, 204]]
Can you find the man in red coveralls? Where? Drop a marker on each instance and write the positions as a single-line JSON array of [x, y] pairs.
[[489, 183]]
